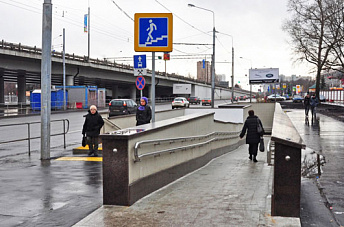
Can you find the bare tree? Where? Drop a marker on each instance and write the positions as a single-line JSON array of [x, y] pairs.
[[310, 29], [336, 27]]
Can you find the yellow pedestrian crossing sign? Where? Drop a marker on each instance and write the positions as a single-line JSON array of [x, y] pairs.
[[153, 32]]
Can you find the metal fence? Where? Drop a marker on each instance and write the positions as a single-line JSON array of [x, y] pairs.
[[28, 137]]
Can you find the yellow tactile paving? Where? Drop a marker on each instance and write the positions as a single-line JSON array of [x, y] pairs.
[[86, 147], [85, 159]]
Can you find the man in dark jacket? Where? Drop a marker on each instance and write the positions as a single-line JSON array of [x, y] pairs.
[[313, 102], [93, 123], [144, 112], [252, 137]]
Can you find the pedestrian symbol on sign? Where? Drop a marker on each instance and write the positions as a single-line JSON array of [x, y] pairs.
[[153, 32], [151, 28]]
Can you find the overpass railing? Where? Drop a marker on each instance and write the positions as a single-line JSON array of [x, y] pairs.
[[35, 50], [29, 137]]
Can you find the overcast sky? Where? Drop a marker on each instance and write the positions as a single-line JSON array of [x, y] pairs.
[[255, 26]]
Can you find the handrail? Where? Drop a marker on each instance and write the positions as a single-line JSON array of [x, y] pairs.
[[29, 138], [183, 139], [113, 125]]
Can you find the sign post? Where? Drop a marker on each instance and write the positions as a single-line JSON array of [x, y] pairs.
[[153, 33]]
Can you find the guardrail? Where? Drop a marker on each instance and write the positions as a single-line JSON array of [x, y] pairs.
[[34, 50], [29, 138], [182, 139]]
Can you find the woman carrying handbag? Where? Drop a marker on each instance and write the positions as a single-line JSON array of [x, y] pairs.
[[255, 131]]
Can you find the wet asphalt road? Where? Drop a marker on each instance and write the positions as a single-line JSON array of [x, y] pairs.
[[49, 193]]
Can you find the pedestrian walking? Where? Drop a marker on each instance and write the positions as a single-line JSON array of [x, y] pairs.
[[253, 136], [91, 128], [313, 101], [306, 104], [144, 112]]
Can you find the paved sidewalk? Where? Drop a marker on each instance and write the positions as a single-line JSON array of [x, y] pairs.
[[231, 190]]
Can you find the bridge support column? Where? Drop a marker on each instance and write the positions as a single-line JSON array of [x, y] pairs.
[[133, 92], [149, 91], [21, 81], [2, 87], [114, 91], [69, 80]]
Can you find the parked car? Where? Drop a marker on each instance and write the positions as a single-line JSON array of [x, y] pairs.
[[242, 97], [122, 107], [180, 102], [235, 99], [273, 97], [206, 101], [194, 100], [287, 97], [297, 98]]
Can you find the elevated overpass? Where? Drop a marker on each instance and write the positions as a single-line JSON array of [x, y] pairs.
[[22, 64]]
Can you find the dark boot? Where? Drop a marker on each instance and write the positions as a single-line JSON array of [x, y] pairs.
[[95, 154], [250, 157], [90, 153], [254, 159]]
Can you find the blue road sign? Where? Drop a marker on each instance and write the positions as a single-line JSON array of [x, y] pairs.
[[153, 32], [140, 62], [140, 82]]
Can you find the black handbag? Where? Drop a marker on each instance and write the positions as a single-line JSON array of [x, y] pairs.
[[84, 141], [259, 127], [261, 144]]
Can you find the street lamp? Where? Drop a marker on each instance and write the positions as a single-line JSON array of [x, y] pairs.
[[232, 65], [249, 78], [213, 57]]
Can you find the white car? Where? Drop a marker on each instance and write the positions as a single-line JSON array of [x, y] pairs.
[[180, 102], [276, 97]]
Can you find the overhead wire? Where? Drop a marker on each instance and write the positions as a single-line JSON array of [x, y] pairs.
[[69, 16]]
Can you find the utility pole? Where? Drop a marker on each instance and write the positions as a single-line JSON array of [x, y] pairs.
[[46, 80], [64, 70]]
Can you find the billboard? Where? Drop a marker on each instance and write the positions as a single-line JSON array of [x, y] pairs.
[[268, 75], [181, 89]]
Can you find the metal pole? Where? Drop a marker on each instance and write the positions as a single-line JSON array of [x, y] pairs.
[[153, 87], [64, 71], [64, 133], [250, 93], [46, 80], [213, 70], [89, 32], [28, 136], [232, 73]]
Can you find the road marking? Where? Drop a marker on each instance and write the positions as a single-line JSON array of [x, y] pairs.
[[86, 159]]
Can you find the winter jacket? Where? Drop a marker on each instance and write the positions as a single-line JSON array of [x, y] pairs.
[[306, 101], [314, 101], [250, 126], [93, 124], [143, 116]]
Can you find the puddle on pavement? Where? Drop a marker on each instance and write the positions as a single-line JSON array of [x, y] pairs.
[[309, 165]]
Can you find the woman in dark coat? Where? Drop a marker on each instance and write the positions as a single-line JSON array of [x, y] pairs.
[[93, 123], [252, 137], [144, 112]]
